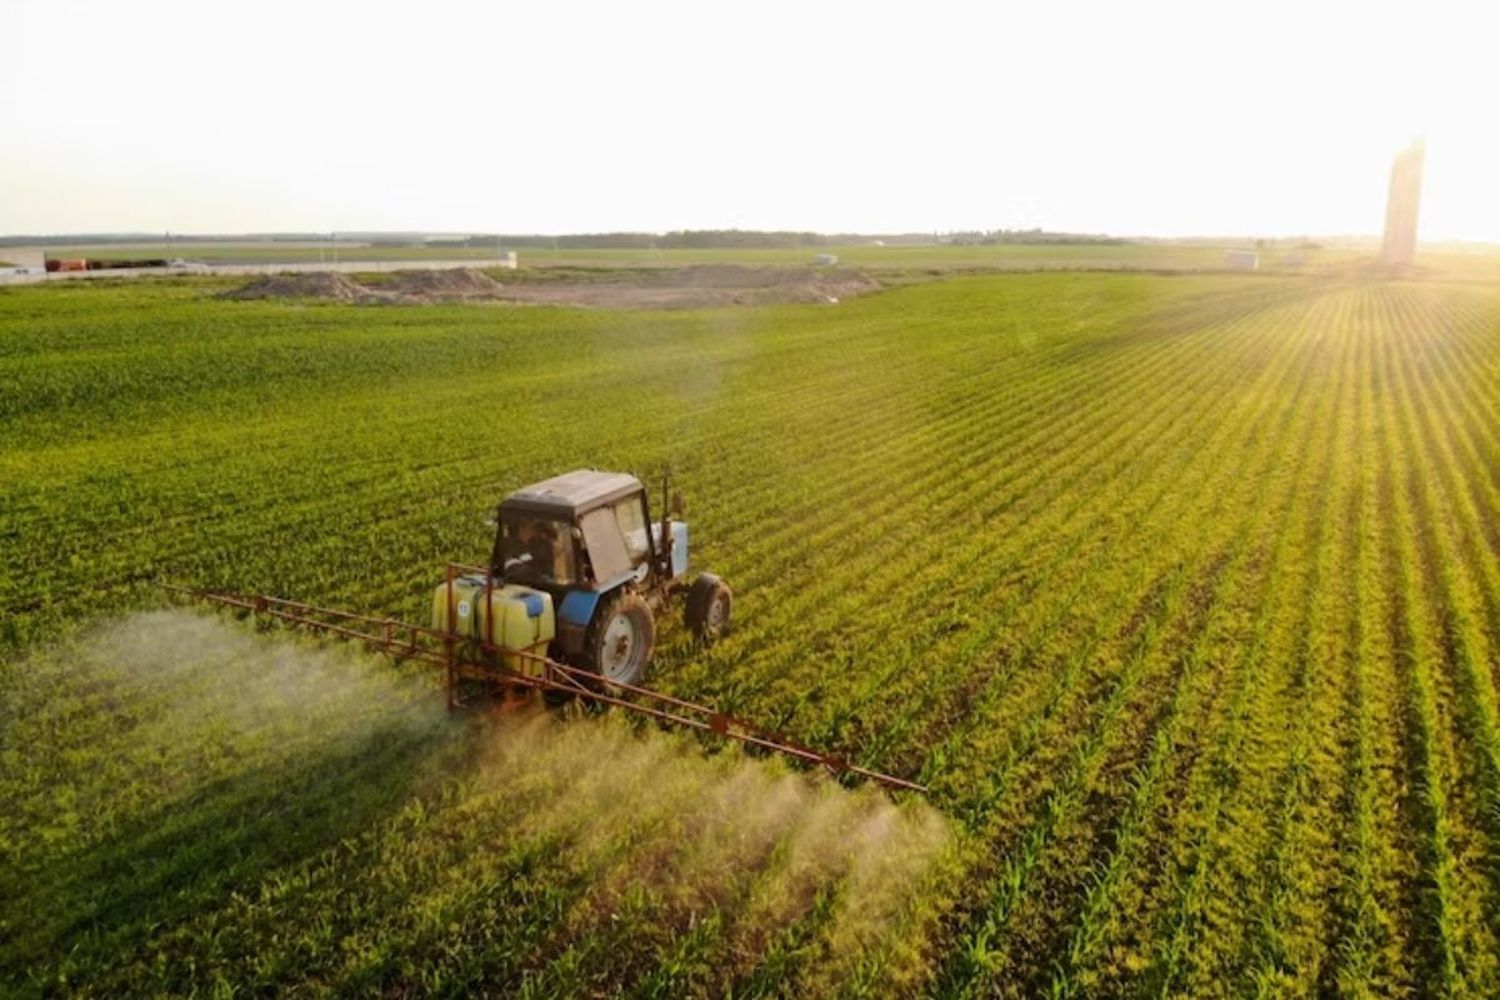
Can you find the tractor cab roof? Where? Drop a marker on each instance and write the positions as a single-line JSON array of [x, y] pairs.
[[573, 493]]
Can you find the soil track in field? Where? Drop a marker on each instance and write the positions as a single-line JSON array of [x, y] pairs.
[[399, 288], [702, 287], [707, 286]]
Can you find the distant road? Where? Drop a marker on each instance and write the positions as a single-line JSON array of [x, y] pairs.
[[346, 266]]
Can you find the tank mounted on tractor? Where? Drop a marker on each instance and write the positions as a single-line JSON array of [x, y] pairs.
[[578, 574]]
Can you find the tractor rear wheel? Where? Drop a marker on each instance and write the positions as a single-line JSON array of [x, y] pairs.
[[709, 604], [621, 640]]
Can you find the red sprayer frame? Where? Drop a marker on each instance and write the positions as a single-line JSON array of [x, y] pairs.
[[441, 649]]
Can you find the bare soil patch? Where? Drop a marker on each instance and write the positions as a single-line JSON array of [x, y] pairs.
[[701, 287], [397, 288], [707, 286]]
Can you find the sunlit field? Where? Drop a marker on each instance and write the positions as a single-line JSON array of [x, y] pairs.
[[1181, 592]]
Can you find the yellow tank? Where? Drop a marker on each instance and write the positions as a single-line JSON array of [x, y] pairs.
[[519, 619]]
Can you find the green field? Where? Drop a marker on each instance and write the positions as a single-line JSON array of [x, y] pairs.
[[897, 261], [1181, 592], [1150, 256]]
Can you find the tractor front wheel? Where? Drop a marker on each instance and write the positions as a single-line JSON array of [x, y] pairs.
[[709, 603], [622, 639]]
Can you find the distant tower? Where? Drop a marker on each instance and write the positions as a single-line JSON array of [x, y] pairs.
[[1400, 246]]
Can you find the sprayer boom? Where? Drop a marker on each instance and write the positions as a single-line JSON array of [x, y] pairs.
[[466, 659]]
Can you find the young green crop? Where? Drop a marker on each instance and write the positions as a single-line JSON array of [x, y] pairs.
[[1180, 592]]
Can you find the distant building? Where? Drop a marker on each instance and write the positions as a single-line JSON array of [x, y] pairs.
[[1242, 260], [1400, 244], [825, 260]]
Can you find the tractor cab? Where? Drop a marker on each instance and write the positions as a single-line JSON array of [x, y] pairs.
[[586, 529], [582, 571]]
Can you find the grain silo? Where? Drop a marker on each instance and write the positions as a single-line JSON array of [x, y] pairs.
[[1400, 244]]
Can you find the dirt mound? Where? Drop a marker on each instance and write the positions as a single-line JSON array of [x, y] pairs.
[[707, 286], [454, 283], [304, 285]]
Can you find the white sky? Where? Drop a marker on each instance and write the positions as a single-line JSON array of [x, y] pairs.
[[1123, 117]]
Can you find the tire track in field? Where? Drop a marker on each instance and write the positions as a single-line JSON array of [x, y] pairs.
[[1388, 894], [1463, 690], [970, 970], [1328, 928], [1111, 936], [1145, 543], [1291, 877], [1201, 698], [1211, 783], [1425, 803]]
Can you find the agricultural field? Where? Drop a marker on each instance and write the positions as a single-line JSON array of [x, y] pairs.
[[1141, 256], [1182, 594]]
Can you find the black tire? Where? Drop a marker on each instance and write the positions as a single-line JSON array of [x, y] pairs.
[[621, 640], [709, 604]]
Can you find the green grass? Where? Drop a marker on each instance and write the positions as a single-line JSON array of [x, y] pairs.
[[1181, 593]]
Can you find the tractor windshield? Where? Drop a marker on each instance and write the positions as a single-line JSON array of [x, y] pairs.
[[536, 548]]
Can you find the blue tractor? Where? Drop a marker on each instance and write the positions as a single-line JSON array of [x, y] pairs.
[[579, 573]]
